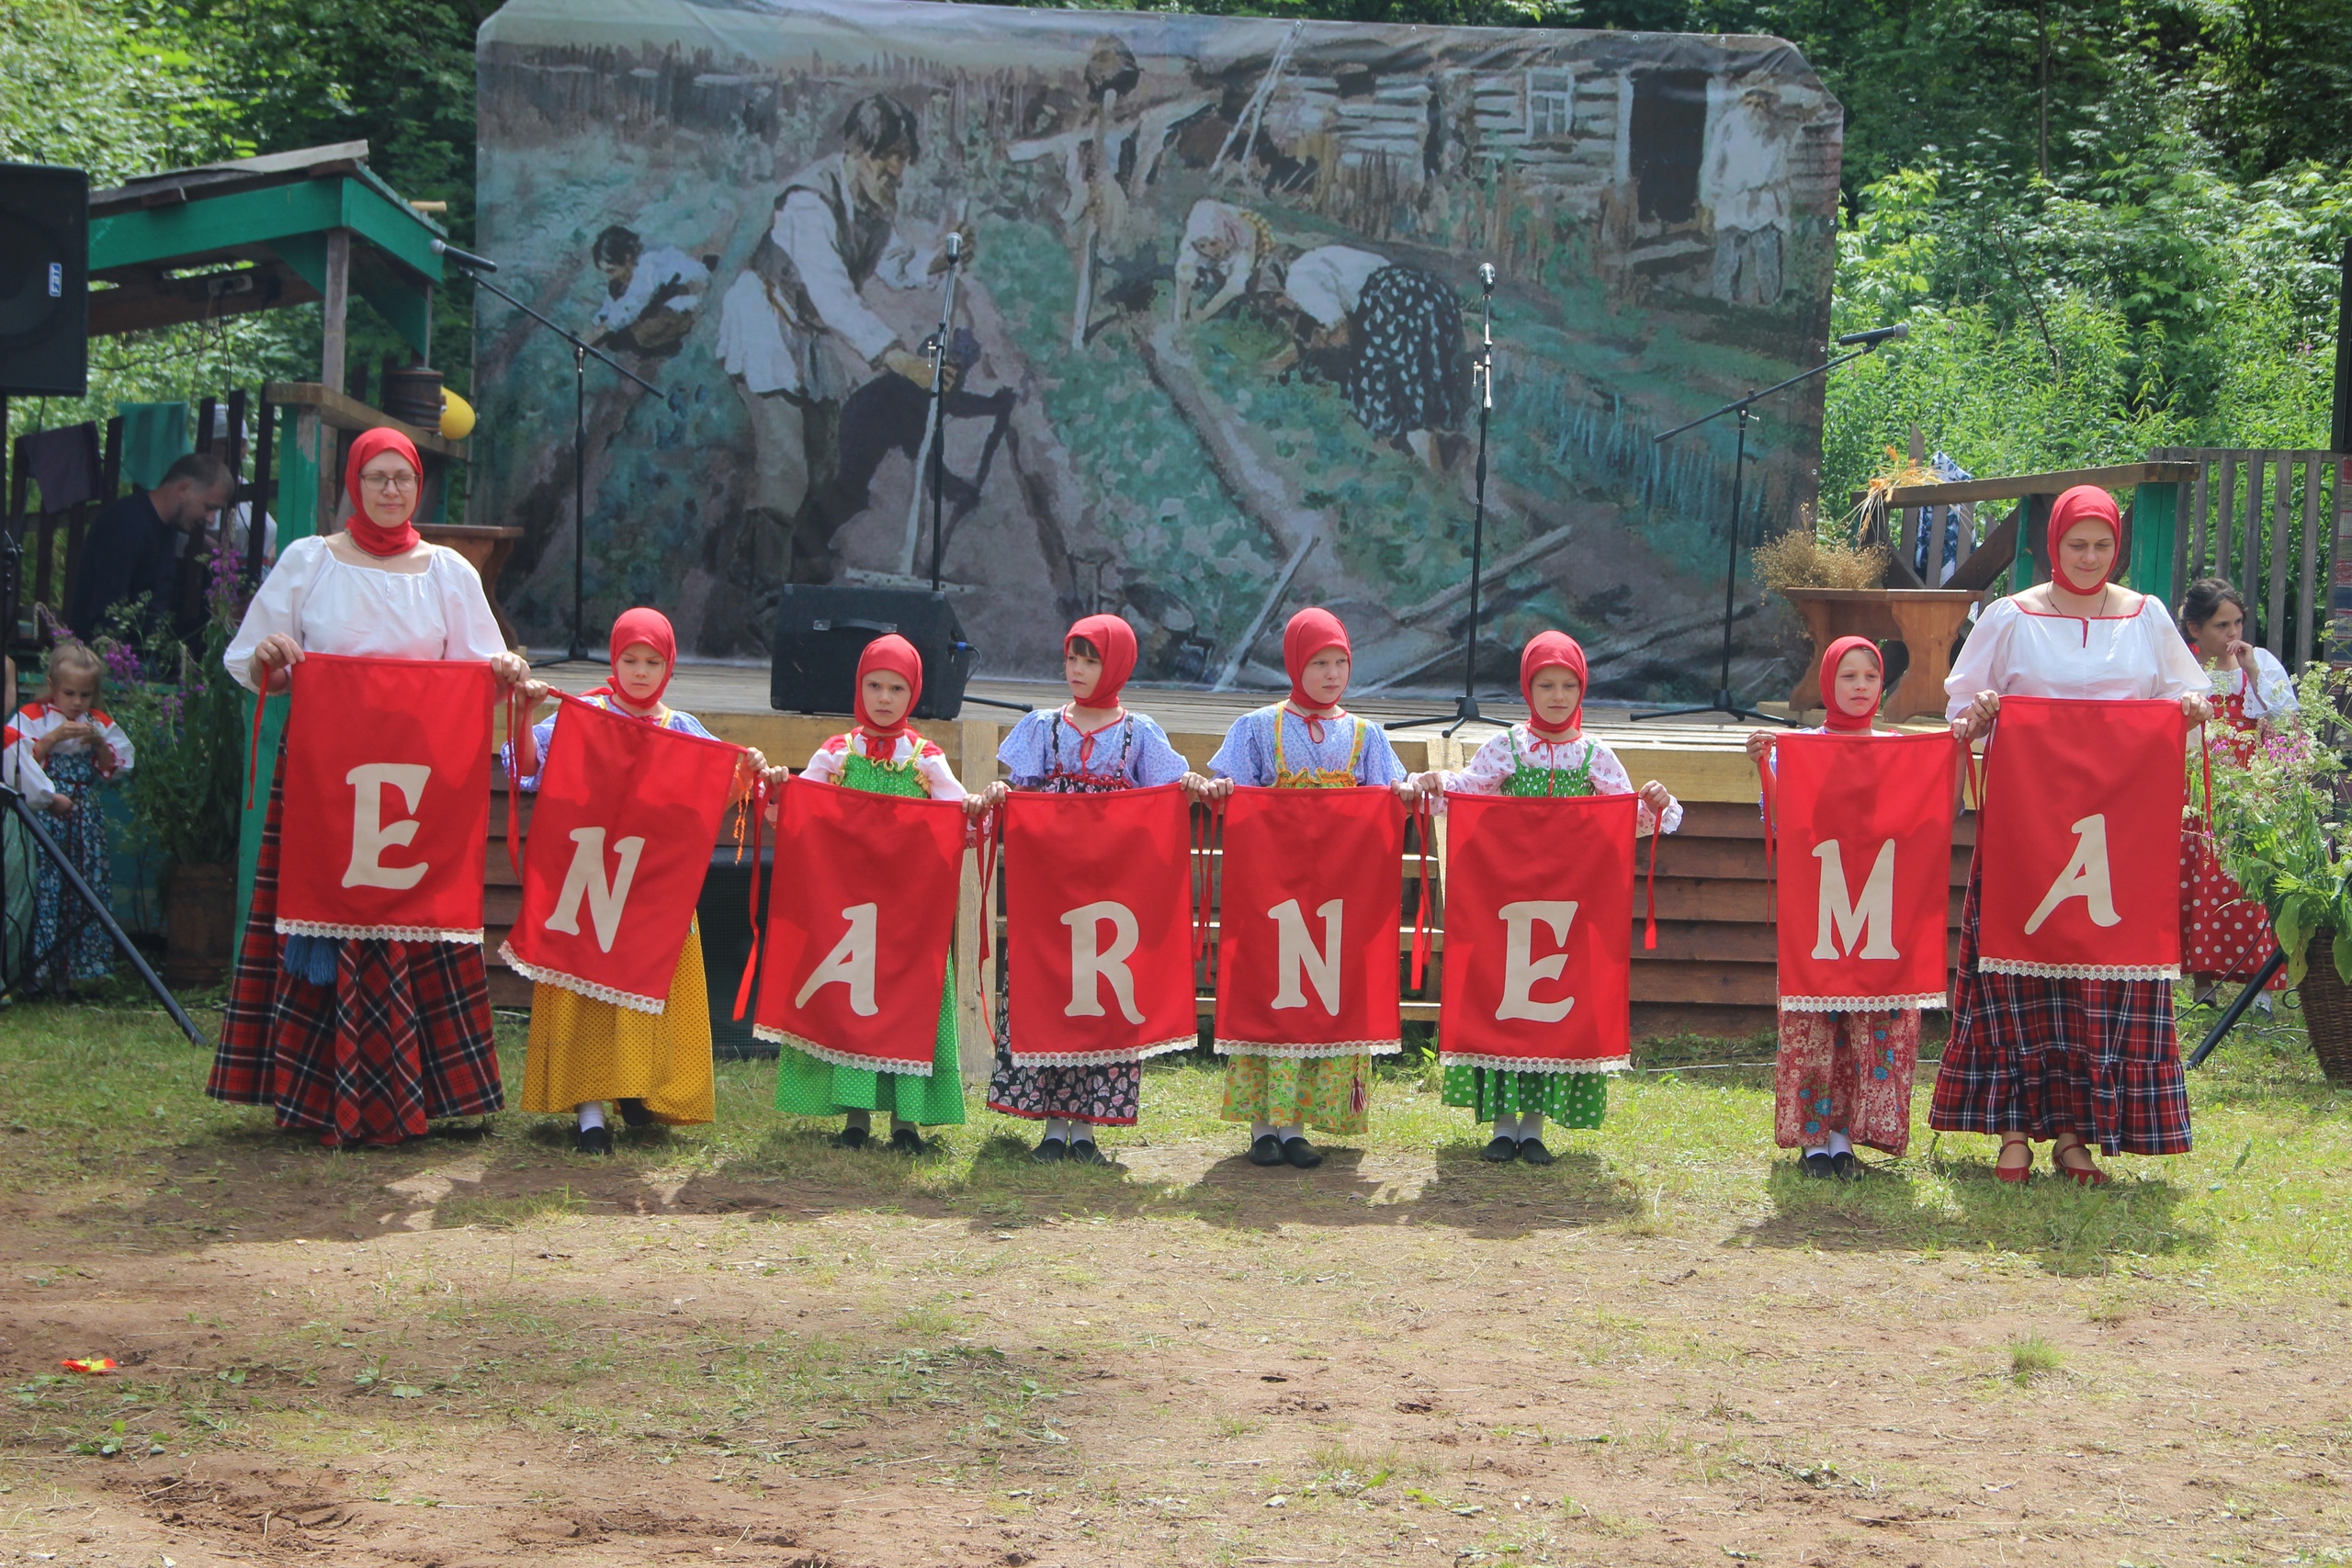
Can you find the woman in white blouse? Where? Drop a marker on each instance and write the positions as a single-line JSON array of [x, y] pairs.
[[359, 1041], [2224, 937], [2075, 1061]]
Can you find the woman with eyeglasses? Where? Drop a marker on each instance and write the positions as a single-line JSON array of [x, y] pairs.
[[359, 1041]]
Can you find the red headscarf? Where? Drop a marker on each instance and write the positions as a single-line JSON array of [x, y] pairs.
[[2084, 503], [1309, 634], [1552, 650], [896, 654], [1838, 720], [365, 532], [1114, 645], [652, 628]]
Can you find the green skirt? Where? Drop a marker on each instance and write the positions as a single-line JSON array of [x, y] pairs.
[[1569, 1099], [808, 1086]]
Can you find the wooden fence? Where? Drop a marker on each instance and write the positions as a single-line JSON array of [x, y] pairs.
[[2269, 521]]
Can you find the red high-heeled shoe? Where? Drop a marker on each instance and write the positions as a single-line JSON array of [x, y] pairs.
[[2017, 1173]]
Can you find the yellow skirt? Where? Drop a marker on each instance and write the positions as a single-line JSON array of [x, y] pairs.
[[582, 1050]]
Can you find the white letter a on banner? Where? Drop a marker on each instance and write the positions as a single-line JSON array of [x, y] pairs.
[[2085, 877], [850, 963]]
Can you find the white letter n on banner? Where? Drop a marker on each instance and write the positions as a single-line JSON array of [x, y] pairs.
[[2085, 877], [1870, 917], [1295, 952], [1090, 966], [1522, 969], [370, 838], [850, 963], [586, 879]]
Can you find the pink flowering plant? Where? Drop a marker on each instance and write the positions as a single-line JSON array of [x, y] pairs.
[[2277, 822], [188, 721]]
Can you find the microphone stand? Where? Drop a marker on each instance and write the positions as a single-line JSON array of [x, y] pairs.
[[578, 652], [1466, 708], [1722, 702]]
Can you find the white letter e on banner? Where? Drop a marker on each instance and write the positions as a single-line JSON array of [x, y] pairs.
[[370, 838], [1522, 969]]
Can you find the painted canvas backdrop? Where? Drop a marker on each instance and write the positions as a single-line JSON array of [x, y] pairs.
[[1660, 207]]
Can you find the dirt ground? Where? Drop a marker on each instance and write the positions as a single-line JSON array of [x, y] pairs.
[[487, 1351]]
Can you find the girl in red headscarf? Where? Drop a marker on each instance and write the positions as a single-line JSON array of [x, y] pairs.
[[583, 1051], [1305, 741], [1842, 1078], [359, 1041], [1549, 754], [1091, 745], [2079, 1062], [884, 755]]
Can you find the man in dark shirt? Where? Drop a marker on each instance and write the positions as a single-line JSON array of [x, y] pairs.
[[132, 548]]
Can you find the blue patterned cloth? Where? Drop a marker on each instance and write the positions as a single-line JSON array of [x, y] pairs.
[[1248, 754], [1133, 753]]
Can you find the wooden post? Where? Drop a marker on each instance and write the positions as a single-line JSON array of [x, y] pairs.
[[975, 909], [2282, 524], [2199, 508], [2250, 543], [2307, 580], [2225, 515], [2155, 513], [2340, 649], [336, 304]]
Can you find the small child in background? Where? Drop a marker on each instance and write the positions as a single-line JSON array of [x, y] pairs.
[[1842, 1078], [70, 742], [18, 772], [583, 1051], [1549, 754], [884, 755]]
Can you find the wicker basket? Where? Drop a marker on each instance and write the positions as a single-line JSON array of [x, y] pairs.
[[2328, 1010]]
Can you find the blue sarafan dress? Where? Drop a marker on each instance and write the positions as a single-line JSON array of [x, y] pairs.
[[1279, 748], [1046, 751]]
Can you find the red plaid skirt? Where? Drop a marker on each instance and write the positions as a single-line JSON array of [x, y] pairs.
[[2221, 934], [402, 1037], [2097, 1058]]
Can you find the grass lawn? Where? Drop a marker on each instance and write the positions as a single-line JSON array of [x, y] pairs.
[[738, 1342]]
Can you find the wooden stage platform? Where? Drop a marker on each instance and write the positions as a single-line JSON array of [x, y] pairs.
[[1712, 970]]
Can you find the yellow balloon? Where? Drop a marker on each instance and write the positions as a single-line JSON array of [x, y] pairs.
[[456, 416]]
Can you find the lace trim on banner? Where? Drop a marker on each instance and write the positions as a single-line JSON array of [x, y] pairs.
[[374, 933], [578, 986], [838, 1058], [1533, 1064], [1308, 1052], [2077, 971], [1102, 1058], [1924, 1000]]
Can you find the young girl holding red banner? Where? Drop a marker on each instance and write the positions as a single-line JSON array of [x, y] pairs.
[[2222, 937], [884, 755], [360, 1041], [1090, 746], [2073, 1060], [1548, 754], [1305, 741], [67, 736], [584, 1051], [1839, 1079]]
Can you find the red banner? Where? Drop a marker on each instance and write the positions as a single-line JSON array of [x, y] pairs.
[[387, 821], [1864, 867], [1306, 954], [2081, 840], [621, 836], [1098, 901], [860, 914], [1539, 933]]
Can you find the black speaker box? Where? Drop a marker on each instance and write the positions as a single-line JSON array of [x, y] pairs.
[[821, 630], [44, 281]]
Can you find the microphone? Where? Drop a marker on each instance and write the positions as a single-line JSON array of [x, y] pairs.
[[1486, 276], [1895, 333], [954, 246], [463, 258]]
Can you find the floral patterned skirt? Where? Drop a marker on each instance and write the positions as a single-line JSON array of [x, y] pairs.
[[1329, 1093], [1107, 1094], [1844, 1072]]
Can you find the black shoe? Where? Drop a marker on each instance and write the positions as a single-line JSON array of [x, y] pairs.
[[1503, 1151], [1844, 1166], [1267, 1150], [1083, 1151], [905, 1141], [596, 1140], [1532, 1152], [850, 1138], [1301, 1153], [633, 1111], [1052, 1151], [1818, 1166]]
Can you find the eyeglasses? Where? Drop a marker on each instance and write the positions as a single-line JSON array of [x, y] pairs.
[[393, 483]]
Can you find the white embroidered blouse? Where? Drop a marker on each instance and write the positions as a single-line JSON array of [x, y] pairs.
[[2017, 652], [330, 607], [832, 759]]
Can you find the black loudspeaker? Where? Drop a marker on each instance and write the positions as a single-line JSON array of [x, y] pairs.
[[44, 281], [820, 628]]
